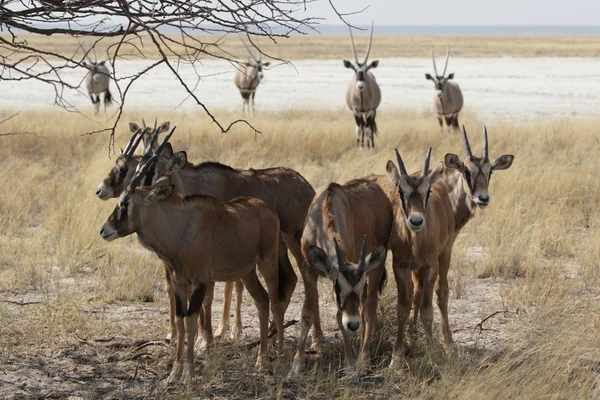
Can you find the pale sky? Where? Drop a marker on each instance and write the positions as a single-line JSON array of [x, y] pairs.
[[463, 12]]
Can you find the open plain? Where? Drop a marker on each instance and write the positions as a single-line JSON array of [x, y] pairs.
[[83, 318]]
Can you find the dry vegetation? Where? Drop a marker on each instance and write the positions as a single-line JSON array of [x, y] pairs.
[[338, 46], [82, 317]]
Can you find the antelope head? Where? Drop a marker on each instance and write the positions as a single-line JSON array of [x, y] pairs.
[[413, 190], [348, 278], [439, 80], [147, 137], [162, 153], [360, 69], [256, 62], [477, 171], [95, 66], [125, 218]]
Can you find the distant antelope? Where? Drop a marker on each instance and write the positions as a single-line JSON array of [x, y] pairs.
[[248, 77], [97, 81], [363, 95], [421, 241], [283, 189], [448, 98], [339, 220], [202, 240]]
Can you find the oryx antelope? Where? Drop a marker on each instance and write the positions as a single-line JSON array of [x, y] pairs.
[[248, 77], [421, 241], [344, 223], [97, 81], [448, 99], [202, 240], [363, 95]]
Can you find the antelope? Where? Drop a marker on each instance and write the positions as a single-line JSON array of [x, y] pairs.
[[448, 99], [339, 219], [194, 236], [421, 241], [97, 81], [363, 95], [248, 77], [283, 189]]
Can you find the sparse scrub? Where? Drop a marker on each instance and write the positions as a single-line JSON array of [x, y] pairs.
[[92, 302]]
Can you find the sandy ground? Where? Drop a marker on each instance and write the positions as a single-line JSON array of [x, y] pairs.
[[495, 88]]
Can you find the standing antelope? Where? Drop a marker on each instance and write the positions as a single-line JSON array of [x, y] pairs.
[[248, 77], [421, 241], [448, 98], [97, 81], [284, 190], [339, 220], [363, 95], [202, 240]]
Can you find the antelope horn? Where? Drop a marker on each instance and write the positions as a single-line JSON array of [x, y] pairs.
[[160, 148], [144, 123], [340, 257], [132, 146], [258, 51], [135, 181], [485, 143], [426, 165], [400, 163], [353, 48], [150, 147], [95, 58], [155, 122], [433, 58], [466, 142], [249, 52], [447, 57], [363, 255], [369, 46]]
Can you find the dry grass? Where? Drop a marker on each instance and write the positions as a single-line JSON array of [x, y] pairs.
[[93, 303], [338, 46]]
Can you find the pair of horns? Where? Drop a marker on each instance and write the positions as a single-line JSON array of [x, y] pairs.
[[433, 58], [135, 181], [87, 52], [368, 47], [468, 147], [133, 143], [340, 257], [252, 55], [425, 170]]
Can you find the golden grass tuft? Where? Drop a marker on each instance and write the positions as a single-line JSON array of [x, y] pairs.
[[539, 238]]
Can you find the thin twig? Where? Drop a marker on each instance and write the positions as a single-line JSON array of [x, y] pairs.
[[480, 324], [273, 333]]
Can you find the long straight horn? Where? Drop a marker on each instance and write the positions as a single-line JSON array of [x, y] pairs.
[[143, 123], [353, 48], [258, 51], [400, 163], [363, 255], [369, 46], [485, 143], [95, 58], [155, 122], [160, 148], [249, 52], [131, 141], [152, 143], [340, 257], [447, 57], [433, 59], [426, 164], [466, 142], [135, 181], [132, 147]]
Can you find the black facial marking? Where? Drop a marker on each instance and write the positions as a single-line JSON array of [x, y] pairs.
[[469, 179], [360, 76], [403, 201], [338, 293], [427, 197], [122, 173]]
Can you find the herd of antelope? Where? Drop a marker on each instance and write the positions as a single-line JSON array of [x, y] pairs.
[[210, 223], [363, 95]]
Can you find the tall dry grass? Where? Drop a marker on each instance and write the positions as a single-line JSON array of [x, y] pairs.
[[540, 237]]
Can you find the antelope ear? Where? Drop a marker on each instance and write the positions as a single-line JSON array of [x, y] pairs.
[[348, 64], [147, 138], [435, 175], [164, 127], [450, 76], [177, 161], [318, 259], [428, 77], [266, 64], [452, 161], [166, 154], [133, 127], [101, 62], [374, 64], [503, 162], [158, 194], [393, 173], [376, 258], [85, 64]]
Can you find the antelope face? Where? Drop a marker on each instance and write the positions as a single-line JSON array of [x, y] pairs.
[[96, 69], [119, 176], [258, 66], [476, 173], [360, 70], [348, 281], [439, 82]]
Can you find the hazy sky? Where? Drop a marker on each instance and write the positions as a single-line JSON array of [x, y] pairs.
[[464, 12]]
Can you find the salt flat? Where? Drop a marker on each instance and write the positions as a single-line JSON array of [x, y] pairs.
[[522, 89]]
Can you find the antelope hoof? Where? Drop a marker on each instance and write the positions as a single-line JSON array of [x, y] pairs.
[[317, 344], [201, 345], [175, 373], [297, 368], [222, 331], [188, 373], [397, 362], [170, 336], [236, 333], [259, 363]]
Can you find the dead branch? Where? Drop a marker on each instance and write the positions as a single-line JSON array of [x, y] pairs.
[[22, 303], [480, 324], [11, 117], [271, 334]]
